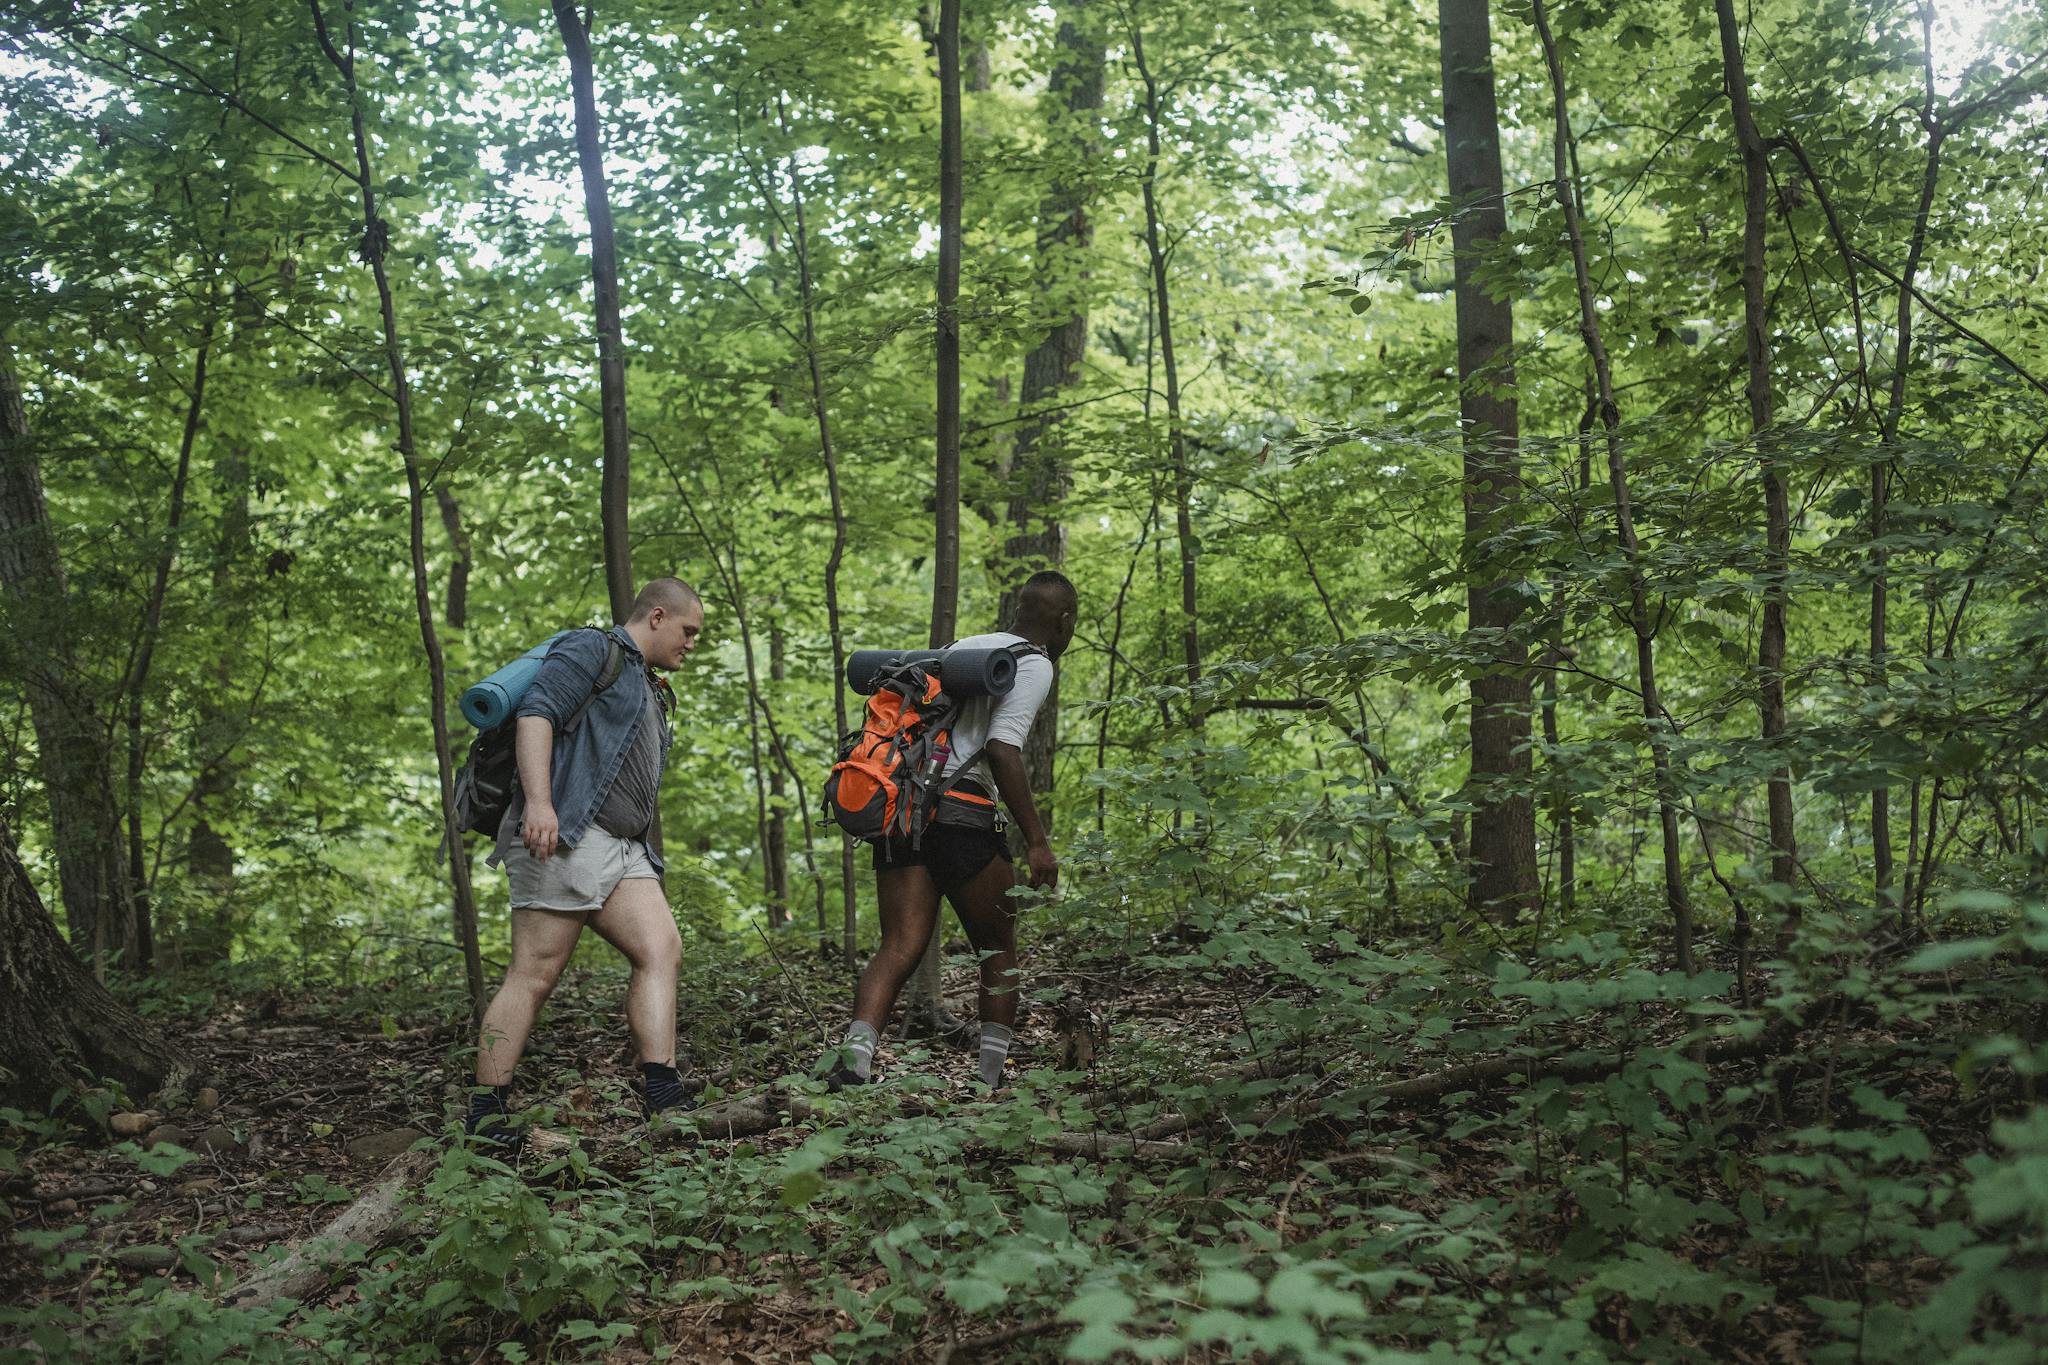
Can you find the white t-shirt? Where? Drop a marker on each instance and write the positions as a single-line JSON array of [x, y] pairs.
[[1007, 718]]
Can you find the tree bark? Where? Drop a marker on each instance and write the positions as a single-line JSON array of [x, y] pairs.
[[208, 936], [1888, 432], [1177, 448], [1756, 333], [376, 240], [924, 1008], [611, 345], [460, 547], [144, 946], [59, 1029], [778, 791], [71, 743], [1503, 847], [806, 284], [1041, 469], [1656, 721]]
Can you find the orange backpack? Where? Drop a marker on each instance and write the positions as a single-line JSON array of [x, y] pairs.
[[889, 780]]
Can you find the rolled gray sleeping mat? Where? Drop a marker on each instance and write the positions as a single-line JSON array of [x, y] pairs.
[[962, 672]]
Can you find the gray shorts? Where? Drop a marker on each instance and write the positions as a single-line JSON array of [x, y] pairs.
[[577, 879]]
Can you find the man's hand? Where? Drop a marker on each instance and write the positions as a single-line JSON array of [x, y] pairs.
[[1042, 869], [539, 829]]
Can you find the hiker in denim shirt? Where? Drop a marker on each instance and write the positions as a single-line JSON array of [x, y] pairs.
[[577, 846]]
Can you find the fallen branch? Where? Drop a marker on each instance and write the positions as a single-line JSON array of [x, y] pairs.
[[748, 1115], [365, 1223], [965, 1349]]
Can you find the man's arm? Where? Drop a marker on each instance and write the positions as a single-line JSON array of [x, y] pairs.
[[533, 746], [1006, 762]]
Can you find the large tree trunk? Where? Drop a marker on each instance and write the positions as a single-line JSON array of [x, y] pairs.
[[1656, 721], [611, 346], [376, 240], [924, 1010], [1041, 469], [59, 1029], [1756, 335], [1503, 849], [71, 742]]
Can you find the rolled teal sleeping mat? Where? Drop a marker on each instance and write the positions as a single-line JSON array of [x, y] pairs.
[[962, 672], [488, 704]]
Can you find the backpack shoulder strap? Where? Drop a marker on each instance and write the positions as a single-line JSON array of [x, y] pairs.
[[614, 664]]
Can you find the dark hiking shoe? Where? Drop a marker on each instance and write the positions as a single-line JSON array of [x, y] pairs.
[[844, 1077], [497, 1135], [666, 1090]]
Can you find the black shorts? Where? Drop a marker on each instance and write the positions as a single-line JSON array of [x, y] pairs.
[[953, 853]]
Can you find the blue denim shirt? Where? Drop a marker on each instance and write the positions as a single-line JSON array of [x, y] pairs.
[[587, 759]]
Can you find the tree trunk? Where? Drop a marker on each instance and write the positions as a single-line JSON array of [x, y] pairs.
[[1756, 332], [1041, 474], [850, 906], [1656, 721], [1503, 847], [59, 1029], [209, 858], [376, 240], [71, 743], [1888, 432], [924, 1010], [144, 950], [778, 786], [1177, 448], [463, 558], [611, 345]]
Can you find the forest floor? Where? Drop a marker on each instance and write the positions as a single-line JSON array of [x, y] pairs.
[[311, 1096]]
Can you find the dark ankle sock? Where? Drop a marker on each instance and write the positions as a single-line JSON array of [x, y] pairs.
[[487, 1102], [664, 1086]]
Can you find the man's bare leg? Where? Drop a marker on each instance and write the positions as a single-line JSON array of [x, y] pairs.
[[636, 920], [989, 916], [542, 941], [908, 905]]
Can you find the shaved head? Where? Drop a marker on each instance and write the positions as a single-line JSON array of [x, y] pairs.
[[672, 595], [1045, 598]]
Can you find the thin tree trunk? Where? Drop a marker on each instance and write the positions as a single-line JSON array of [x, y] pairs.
[[1756, 331], [71, 743], [778, 789], [1177, 449], [59, 1029], [1656, 722], [924, 1010], [464, 558], [833, 561], [611, 345], [143, 947], [1888, 432], [1503, 846], [209, 857], [1116, 635], [376, 240]]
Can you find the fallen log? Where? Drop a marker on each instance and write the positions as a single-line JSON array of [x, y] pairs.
[[373, 1217]]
